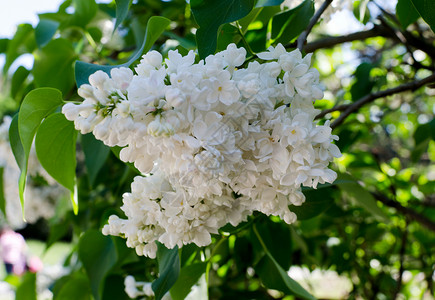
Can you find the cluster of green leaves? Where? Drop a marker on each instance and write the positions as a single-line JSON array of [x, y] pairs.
[[388, 149]]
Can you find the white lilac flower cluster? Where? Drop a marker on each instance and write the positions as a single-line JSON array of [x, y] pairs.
[[215, 142], [41, 199], [136, 289]]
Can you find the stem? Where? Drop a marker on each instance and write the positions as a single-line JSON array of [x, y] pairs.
[[303, 36], [411, 214], [245, 42], [92, 43], [260, 239], [351, 108], [207, 269]]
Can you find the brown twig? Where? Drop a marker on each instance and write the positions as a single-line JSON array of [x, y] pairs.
[[377, 30], [331, 41], [413, 215], [355, 106], [303, 36]]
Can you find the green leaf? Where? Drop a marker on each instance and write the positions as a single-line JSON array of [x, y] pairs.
[[121, 11], [287, 25], [317, 201], [426, 9], [189, 276], [37, 105], [18, 79], [262, 3], [210, 15], [2, 193], [360, 11], [22, 42], [15, 141], [169, 269], [274, 277], [27, 288], [84, 12], [155, 27], [277, 238], [98, 255], [53, 65], [96, 154], [360, 196], [20, 157], [363, 84], [406, 13], [55, 145], [4, 45], [44, 31], [73, 287]]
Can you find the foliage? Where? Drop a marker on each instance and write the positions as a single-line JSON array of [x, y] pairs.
[[374, 225]]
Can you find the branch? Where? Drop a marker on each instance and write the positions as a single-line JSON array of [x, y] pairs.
[[323, 113], [377, 30], [406, 211], [331, 41], [353, 107], [303, 36]]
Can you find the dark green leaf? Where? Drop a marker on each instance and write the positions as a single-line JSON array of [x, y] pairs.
[[210, 15], [422, 135], [73, 287], [2, 193], [228, 34], [363, 84], [37, 105], [121, 11], [114, 288], [426, 9], [27, 288], [57, 231], [4, 45], [125, 255], [262, 3], [424, 132], [155, 27], [189, 276], [18, 79], [169, 269], [188, 253], [96, 154], [288, 25], [44, 31], [277, 238], [360, 196], [53, 65], [22, 42], [55, 145], [98, 255], [419, 149], [274, 277], [406, 13], [317, 201]]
